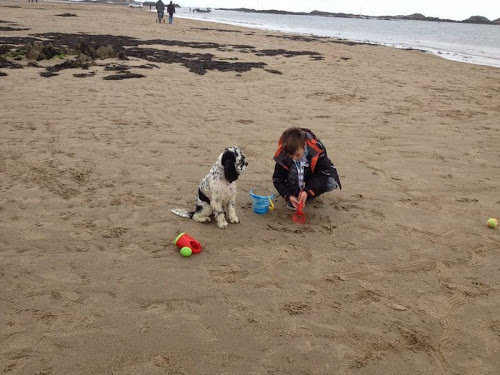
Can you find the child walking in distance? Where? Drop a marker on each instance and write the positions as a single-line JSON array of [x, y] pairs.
[[303, 170]]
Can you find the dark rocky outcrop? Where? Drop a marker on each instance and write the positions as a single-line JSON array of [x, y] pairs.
[[414, 17], [420, 17], [478, 19]]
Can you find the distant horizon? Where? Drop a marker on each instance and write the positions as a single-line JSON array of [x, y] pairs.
[[444, 9], [354, 14]]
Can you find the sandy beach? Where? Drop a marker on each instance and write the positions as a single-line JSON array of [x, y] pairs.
[[397, 273]]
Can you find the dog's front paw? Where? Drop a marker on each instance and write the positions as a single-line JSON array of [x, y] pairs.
[[222, 224], [234, 220]]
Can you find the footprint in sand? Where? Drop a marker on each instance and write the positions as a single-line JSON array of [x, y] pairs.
[[296, 308]]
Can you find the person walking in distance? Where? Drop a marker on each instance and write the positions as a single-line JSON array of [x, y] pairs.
[[171, 11], [160, 9]]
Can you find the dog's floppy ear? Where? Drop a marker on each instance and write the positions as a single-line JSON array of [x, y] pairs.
[[228, 161]]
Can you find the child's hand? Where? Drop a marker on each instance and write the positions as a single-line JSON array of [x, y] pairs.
[[294, 201], [302, 198]]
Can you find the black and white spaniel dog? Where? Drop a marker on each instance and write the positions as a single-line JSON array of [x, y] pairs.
[[217, 190]]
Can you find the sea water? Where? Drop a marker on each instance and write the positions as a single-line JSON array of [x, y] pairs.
[[471, 43]]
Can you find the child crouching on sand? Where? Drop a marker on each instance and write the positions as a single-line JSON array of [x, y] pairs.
[[303, 170]]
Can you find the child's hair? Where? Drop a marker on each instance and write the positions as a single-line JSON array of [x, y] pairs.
[[292, 139]]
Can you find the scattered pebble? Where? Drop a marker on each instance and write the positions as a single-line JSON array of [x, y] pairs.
[[398, 307]]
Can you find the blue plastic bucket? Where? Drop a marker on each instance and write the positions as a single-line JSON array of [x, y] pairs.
[[262, 201]]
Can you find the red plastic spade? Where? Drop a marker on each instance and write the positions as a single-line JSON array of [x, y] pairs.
[[299, 217]]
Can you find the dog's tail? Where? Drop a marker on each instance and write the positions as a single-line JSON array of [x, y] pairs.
[[183, 213]]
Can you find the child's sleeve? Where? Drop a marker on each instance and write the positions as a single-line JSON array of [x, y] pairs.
[[280, 182]]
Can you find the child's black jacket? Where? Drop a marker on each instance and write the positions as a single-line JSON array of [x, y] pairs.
[[315, 175]]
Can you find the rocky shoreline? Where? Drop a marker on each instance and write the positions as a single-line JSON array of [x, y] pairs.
[[413, 17]]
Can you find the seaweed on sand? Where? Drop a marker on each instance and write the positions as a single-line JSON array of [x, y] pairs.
[[123, 75], [91, 47]]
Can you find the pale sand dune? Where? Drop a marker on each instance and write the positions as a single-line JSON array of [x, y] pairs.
[[395, 274]]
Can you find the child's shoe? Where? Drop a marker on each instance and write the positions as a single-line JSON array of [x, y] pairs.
[[289, 205]]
